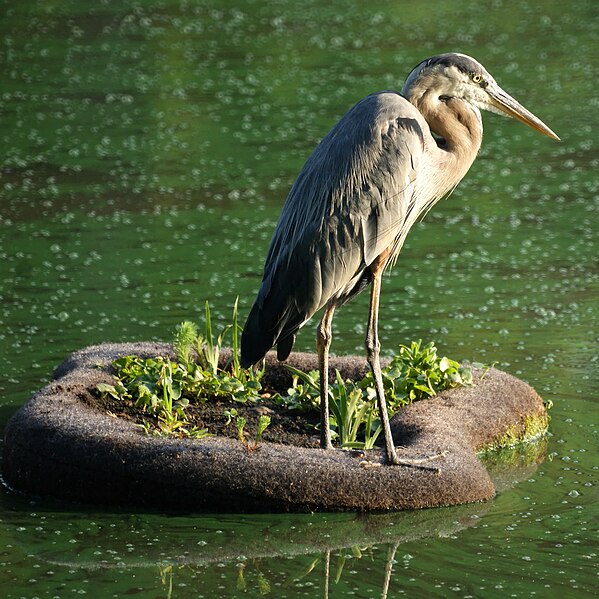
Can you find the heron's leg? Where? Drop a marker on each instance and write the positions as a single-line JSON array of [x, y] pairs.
[[324, 336], [389, 568], [373, 348], [373, 357]]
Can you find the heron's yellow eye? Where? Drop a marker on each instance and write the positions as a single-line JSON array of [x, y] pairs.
[[477, 78]]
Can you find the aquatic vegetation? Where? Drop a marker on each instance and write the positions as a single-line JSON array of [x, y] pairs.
[[155, 385], [414, 373], [352, 413], [530, 429], [417, 372], [163, 388]]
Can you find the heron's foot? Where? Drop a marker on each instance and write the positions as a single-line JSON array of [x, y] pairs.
[[393, 459]]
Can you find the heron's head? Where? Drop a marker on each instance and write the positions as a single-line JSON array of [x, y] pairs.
[[460, 76]]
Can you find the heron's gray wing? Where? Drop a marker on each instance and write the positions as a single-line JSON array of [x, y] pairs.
[[349, 203]]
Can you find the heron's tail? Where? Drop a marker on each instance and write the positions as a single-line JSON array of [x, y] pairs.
[[255, 341]]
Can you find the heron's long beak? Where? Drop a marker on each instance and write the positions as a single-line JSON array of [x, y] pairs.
[[503, 102]]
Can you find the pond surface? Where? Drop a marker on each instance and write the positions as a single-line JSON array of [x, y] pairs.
[[146, 151]]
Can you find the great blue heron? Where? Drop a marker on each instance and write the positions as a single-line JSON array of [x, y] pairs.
[[384, 164]]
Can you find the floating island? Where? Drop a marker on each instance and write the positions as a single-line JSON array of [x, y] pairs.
[[65, 443]]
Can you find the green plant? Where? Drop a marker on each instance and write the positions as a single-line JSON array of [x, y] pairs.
[[352, 412], [353, 416], [304, 393], [184, 341], [188, 341], [250, 377], [163, 387], [263, 424], [154, 385], [236, 370], [240, 423], [229, 415], [205, 378], [415, 373]]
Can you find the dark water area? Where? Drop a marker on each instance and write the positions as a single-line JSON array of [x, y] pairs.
[[146, 151]]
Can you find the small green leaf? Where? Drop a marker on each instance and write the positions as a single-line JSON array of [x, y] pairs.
[[444, 364], [263, 424], [107, 389], [240, 423]]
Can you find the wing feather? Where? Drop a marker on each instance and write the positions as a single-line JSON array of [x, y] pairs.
[[350, 202]]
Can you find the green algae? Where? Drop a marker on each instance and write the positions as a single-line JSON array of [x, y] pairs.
[[531, 428]]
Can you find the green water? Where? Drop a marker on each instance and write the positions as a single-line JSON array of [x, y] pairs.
[[146, 150]]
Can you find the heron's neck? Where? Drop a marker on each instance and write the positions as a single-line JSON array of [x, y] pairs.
[[460, 129]]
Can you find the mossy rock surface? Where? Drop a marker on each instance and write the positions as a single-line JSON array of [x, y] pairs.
[[59, 445]]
